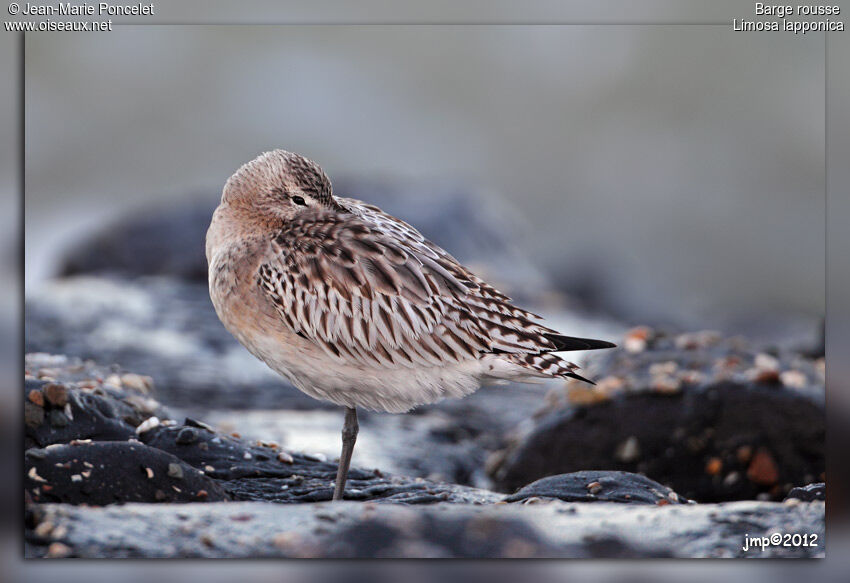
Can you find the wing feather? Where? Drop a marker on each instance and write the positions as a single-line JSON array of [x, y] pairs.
[[372, 291]]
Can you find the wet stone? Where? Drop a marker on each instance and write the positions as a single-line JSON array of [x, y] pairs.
[[56, 394], [598, 486], [36, 397], [33, 415]]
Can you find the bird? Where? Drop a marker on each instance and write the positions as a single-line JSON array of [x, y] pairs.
[[356, 307]]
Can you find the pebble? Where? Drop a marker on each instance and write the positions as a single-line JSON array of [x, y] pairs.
[[666, 384], [44, 529], [58, 550], [744, 453], [147, 425], [766, 362], [610, 385], [763, 469], [37, 397], [285, 458], [138, 382], [714, 466], [56, 394], [578, 394], [33, 475], [629, 450], [636, 339], [199, 424], [33, 414], [794, 379], [594, 488], [113, 380], [44, 373], [175, 471]]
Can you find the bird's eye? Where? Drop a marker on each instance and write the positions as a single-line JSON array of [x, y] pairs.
[[299, 200]]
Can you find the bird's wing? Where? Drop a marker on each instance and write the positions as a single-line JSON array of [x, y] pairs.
[[371, 290]]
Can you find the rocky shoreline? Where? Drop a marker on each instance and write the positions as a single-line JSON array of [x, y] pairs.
[[149, 432], [109, 473]]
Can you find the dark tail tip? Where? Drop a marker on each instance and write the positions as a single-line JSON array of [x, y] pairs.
[[567, 343]]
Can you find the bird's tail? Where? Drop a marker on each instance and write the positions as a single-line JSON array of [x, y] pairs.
[[547, 364]]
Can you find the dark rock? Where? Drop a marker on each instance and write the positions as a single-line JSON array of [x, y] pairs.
[[808, 493], [714, 419], [255, 472], [107, 472], [98, 409], [601, 486], [156, 241]]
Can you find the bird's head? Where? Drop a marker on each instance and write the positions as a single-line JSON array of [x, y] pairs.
[[278, 185]]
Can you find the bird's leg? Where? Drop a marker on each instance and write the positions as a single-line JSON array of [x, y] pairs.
[[349, 436]]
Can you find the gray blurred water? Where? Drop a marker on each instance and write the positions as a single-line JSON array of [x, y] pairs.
[[668, 173]]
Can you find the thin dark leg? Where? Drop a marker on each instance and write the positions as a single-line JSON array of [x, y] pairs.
[[349, 436]]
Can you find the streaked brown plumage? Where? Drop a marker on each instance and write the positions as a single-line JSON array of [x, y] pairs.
[[355, 306]]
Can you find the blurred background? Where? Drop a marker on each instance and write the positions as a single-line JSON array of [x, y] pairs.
[[665, 173]]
